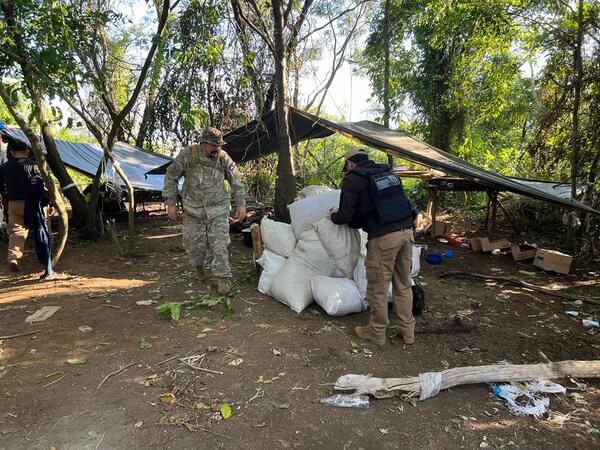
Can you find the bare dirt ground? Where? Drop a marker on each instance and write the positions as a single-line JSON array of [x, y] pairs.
[[276, 364]]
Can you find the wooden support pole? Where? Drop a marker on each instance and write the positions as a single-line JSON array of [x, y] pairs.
[[433, 211], [429, 204], [494, 200], [257, 245], [487, 210], [508, 217]]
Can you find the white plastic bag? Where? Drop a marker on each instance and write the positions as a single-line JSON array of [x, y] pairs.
[[292, 284], [278, 237], [337, 296], [528, 399], [310, 210], [310, 191], [271, 263], [341, 243]]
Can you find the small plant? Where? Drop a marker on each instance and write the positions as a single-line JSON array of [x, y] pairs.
[[173, 309]]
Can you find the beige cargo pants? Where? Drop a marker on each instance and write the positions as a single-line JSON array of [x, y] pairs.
[[17, 231], [389, 258]]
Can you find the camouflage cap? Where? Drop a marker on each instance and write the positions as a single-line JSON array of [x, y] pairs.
[[212, 136]]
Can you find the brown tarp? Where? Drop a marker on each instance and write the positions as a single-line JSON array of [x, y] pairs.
[[259, 138]]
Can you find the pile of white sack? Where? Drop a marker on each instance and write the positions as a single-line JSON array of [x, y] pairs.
[[315, 259]]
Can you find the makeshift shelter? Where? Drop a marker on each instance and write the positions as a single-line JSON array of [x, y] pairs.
[[85, 158], [259, 138]]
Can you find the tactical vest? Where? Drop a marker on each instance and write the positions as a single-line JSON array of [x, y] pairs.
[[387, 194]]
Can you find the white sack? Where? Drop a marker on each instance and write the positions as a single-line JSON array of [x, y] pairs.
[[309, 210], [341, 243], [271, 263], [278, 237], [292, 284], [310, 191], [416, 260], [337, 296]]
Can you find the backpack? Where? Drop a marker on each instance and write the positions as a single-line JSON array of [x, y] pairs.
[[387, 194], [418, 299]]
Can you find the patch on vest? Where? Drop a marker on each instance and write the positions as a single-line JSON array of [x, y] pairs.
[[231, 166]]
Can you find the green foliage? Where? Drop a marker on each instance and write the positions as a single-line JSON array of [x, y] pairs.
[[144, 344], [173, 309]]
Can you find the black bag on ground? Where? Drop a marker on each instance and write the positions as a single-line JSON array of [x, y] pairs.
[[418, 299]]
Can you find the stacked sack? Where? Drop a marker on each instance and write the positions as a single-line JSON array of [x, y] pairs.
[[314, 258]]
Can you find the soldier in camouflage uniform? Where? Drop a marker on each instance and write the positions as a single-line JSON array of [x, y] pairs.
[[206, 203]]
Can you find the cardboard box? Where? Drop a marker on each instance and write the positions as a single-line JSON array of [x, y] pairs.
[[520, 253], [442, 228], [552, 260], [484, 245]]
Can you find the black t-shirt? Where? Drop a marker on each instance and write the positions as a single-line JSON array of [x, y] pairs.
[[14, 176]]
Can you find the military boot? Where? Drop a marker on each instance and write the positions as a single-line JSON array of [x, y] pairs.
[[200, 273], [14, 266], [367, 334], [224, 286]]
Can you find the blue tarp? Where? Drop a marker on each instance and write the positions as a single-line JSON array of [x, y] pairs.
[[84, 158]]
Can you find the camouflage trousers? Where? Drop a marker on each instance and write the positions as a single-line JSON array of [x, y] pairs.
[[200, 234]]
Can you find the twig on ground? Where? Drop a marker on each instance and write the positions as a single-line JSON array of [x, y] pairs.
[[100, 441], [10, 336], [215, 433], [116, 372], [296, 388], [533, 287], [259, 393], [110, 306], [165, 361], [184, 387], [55, 381], [195, 361]]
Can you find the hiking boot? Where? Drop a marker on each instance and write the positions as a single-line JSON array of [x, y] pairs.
[[200, 273], [14, 266], [224, 286], [368, 335]]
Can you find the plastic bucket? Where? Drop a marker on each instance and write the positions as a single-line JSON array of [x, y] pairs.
[[433, 258], [247, 237]]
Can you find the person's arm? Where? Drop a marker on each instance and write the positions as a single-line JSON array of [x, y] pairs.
[[234, 178], [171, 183], [348, 203]]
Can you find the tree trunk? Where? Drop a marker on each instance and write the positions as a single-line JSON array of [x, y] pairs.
[[76, 198], [144, 125], [285, 187], [52, 154], [386, 70], [577, 79], [249, 70], [43, 167], [575, 141]]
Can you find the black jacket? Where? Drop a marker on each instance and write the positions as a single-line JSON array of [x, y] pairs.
[[356, 208], [14, 175]]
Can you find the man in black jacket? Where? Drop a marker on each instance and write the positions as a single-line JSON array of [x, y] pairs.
[[388, 220], [14, 176]]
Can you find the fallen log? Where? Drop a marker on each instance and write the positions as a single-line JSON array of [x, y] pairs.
[[533, 287], [429, 384]]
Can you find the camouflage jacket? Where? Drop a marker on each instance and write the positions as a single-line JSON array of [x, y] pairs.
[[204, 193]]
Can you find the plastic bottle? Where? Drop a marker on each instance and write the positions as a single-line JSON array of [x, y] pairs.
[[347, 401]]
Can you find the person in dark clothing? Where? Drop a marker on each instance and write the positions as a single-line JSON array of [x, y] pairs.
[[15, 175], [387, 216]]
